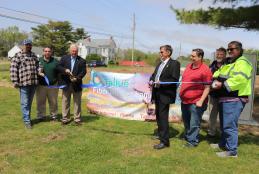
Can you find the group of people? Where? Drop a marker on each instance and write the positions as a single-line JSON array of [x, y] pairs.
[[226, 82], [43, 76]]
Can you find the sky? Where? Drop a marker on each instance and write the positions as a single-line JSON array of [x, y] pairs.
[[156, 23]]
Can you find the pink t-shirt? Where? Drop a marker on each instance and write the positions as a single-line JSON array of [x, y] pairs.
[[190, 93]]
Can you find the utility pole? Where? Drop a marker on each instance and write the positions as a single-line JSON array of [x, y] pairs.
[[180, 50], [133, 39]]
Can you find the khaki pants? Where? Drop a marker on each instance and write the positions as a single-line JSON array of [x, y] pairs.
[[214, 102], [66, 97], [42, 94]]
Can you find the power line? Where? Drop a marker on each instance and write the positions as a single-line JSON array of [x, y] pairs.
[[20, 19], [26, 13], [44, 17]]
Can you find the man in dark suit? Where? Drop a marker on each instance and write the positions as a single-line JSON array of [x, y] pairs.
[[168, 70], [73, 69]]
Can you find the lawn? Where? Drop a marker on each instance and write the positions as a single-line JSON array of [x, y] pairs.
[[108, 145]]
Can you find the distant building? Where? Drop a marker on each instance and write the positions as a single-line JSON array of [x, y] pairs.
[[17, 48], [104, 47]]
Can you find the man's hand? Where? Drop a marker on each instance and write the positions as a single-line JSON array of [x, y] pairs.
[[216, 84], [41, 74], [67, 71], [73, 79], [157, 84], [199, 103], [150, 84]]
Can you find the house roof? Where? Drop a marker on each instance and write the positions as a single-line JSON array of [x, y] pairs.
[[97, 43]]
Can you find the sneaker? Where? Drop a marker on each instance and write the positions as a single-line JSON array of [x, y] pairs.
[[78, 122], [225, 154], [214, 146], [53, 118], [28, 125], [65, 121]]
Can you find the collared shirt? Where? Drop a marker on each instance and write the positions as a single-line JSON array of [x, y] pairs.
[[190, 93], [73, 60], [160, 69], [24, 69], [49, 69]]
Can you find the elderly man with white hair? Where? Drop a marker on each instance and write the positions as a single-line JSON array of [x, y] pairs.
[[73, 69]]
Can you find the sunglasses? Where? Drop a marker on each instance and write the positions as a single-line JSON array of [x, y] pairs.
[[231, 49]]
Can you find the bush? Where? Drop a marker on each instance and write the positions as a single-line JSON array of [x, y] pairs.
[[113, 62], [91, 57]]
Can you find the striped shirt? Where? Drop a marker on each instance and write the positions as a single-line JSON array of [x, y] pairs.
[[24, 69]]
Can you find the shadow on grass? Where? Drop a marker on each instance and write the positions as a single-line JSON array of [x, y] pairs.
[[172, 132], [86, 118], [248, 139]]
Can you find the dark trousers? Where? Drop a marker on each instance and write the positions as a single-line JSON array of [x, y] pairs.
[[162, 112]]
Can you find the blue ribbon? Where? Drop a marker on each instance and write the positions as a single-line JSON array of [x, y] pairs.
[[91, 85], [53, 86], [184, 82], [46, 80]]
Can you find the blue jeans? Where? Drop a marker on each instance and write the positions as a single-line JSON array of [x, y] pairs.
[[26, 98], [229, 112], [191, 115]]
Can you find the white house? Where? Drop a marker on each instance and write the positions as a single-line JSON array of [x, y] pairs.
[[104, 47], [37, 50]]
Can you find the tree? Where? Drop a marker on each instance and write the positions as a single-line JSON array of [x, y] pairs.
[[80, 33], [236, 17], [150, 58], [9, 37], [57, 35]]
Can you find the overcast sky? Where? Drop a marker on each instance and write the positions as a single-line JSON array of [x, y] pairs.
[[156, 24]]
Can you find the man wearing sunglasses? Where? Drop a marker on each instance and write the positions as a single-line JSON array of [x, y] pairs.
[[233, 85], [168, 70]]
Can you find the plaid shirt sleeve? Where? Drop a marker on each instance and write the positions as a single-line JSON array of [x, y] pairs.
[[14, 73]]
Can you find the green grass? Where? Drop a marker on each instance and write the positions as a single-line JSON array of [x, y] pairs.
[[106, 145], [4, 71]]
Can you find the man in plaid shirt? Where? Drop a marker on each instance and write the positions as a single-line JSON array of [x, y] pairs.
[[23, 72]]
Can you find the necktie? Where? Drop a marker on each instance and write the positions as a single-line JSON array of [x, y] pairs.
[[159, 71]]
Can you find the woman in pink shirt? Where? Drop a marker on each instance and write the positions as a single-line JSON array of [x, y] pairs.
[[194, 96]]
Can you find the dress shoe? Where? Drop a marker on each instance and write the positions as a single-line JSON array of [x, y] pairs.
[[160, 146]]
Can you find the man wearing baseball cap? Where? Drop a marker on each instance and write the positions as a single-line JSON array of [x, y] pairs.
[[23, 73]]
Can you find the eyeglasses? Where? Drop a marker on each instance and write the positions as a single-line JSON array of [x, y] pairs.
[[231, 49]]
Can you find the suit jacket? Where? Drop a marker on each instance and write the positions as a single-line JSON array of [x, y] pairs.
[[79, 71], [170, 73]]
